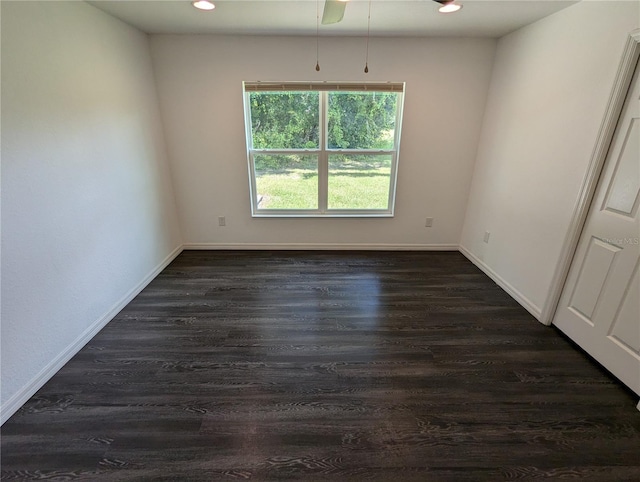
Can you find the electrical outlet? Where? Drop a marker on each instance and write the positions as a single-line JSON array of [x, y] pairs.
[[428, 222], [222, 221], [486, 236]]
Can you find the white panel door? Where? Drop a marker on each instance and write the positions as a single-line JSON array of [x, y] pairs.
[[600, 304]]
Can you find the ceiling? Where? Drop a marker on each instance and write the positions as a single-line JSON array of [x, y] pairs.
[[399, 18]]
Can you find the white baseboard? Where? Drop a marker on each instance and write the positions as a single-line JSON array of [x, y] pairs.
[[25, 393], [526, 303], [322, 246]]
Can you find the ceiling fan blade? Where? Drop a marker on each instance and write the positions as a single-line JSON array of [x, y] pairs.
[[333, 11]]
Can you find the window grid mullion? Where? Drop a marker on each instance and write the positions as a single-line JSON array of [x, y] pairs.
[[323, 158]]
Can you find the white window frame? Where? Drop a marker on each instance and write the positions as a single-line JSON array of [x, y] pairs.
[[323, 152]]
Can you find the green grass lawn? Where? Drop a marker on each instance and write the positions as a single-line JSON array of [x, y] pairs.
[[288, 189], [352, 188], [353, 184]]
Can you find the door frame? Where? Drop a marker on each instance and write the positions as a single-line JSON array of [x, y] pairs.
[[587, 191]]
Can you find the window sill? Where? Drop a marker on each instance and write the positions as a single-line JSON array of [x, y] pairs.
[[322, 215]]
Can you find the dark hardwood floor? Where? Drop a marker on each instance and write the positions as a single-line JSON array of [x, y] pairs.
[[325, 366]]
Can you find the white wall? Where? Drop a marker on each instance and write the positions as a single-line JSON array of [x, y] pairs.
[[549, 90], [200, 84], [87, 206]]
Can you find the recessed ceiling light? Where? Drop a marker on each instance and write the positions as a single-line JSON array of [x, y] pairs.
[[449, 7], [203, 5]]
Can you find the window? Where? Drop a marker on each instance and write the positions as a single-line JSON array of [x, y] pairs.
[[322, 149]]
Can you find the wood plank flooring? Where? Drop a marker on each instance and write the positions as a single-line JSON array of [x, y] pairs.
[[325, 366]]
